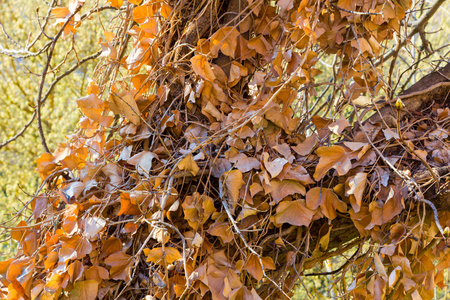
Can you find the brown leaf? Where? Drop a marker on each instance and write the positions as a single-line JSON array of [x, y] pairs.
[[294, 213], [126, 105], [379, 267], [327, 200], [222, 230], [253, 266], [202, 67], [306, 146], [143, 162], [283, 188], [332, 157], [338, 126], [355, 186], [92, 226], [232, 182], [162, 257], [225, 39], [188, 164], [274, 167], [120, 264]]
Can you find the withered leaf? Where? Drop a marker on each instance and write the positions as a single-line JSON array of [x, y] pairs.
[[283, 188], [327, 200], [126, 105], [294, 213], [188, 164], [162, 256], [225, 39], [332, 157], [232, 182]]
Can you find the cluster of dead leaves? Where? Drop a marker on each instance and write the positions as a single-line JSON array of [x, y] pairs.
[[220, 192]]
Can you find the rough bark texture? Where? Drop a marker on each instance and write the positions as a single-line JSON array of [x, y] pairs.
[[433, 88]]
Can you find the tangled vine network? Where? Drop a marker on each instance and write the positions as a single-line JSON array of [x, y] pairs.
[[227, 149]]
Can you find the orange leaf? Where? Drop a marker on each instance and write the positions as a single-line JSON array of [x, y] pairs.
[[165, 10], [91, 106], [253, 265], [332, 157], [327, 200], [202, 67], [126, 207], [188, 164], [116, 3], [224, 39], [156, 255], [294, 213]]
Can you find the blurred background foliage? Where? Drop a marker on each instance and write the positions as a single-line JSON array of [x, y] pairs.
[[19, 82]]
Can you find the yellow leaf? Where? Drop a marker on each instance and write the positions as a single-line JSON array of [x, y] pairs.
[[126, 105], [225, 39], [188, 164], [116, 3], [84, 290], [202, 67], [157, 255], [332, 157]]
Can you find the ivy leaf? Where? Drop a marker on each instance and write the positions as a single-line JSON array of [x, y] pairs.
[[158, 255], [202, 67], [232, 183], [332, 157], [294, 213], [188, 164], [327, 200], [84, 290], [225, 39]]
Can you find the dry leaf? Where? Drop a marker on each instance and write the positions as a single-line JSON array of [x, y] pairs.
[[126, 105], [332, 157], [232, 182], [224, 39], [188, 164], [327, 200], [294, 213]]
